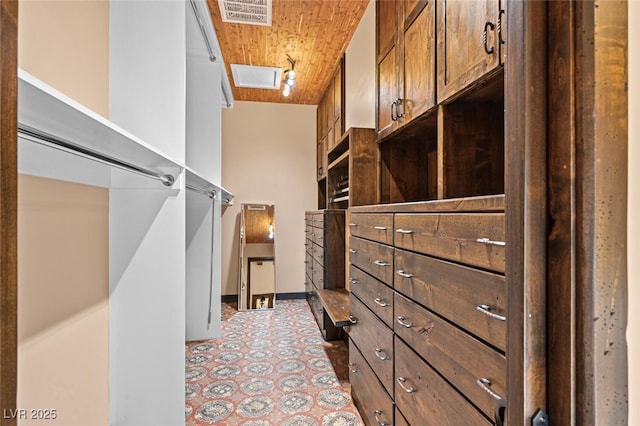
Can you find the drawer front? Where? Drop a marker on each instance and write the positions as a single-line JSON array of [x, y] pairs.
[[318, 274], [317, 220], [460, 358], [318, 253], [308, 230], [374, 258], [464, 295], [376, 227], [374, 404], [375, 341], [475, 239], [316, 308], [308, 264], [318, 236], [400, 420], [425, 398], [377, 296]]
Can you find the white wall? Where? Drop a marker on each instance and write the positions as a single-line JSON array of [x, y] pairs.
[[633, 240], [360, 73], [268, 157]]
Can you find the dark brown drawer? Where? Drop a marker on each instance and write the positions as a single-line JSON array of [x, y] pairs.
[[471, 298], [456, 355], [374, 404], [377, 296], [374, 258], [376, 227], [374, 339], [318, 274], [425, 398], [475, 239]]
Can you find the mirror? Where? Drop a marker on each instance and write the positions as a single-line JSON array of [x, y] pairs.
[[257, 286]]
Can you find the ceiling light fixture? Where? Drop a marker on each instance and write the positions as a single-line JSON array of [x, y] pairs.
[[289, 77]]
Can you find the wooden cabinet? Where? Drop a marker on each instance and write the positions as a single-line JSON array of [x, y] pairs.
[[324, 262], [330, 118], [470, 43], [423, 300], [352, 174], [405, 47]]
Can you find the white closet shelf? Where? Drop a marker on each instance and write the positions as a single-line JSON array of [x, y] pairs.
[[47, 111], [197, 182]]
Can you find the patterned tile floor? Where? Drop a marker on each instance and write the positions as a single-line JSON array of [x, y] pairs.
[[270, 367]]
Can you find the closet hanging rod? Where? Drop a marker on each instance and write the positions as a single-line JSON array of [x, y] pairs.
[[211, 193], [196, 12], [44, 138]]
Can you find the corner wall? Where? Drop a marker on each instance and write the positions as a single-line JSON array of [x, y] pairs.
[[268, 156], [633, 226]]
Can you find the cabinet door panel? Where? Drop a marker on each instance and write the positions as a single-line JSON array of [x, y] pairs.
[[387, 75], [419, 65], [387, 26], [462, 58]]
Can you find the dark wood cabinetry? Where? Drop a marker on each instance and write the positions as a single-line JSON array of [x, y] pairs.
[[405, 48], [325, 263]]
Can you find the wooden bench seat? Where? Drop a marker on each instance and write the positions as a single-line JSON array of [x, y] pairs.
[[336, 305]]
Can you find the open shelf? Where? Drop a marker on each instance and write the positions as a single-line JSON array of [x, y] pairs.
[[47, 111]]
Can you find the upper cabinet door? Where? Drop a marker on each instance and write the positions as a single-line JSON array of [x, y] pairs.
[[386, 65], [468, 43], [419, 64]]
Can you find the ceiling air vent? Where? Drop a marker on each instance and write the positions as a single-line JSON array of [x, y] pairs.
[[255, 12], [256, 77]]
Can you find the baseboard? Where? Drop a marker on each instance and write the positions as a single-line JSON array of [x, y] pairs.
[[289, 296]]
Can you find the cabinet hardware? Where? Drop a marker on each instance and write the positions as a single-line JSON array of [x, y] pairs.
[[500, 15], [486, 309], [353, 320], [491, 242], [400, 319], [376, 414], [404, 274], [484, 384], [319, 171], [353, 281], [380, 228], [404, 231], [352, 367], [381, 263], [491, 26], [401, 381], [380, 302], [540, 419], [306, 261], [399, 109], [353, 224], [354, 251], [381, 354], [393, 115]]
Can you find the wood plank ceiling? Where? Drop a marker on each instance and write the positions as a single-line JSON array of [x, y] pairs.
[[314, 33]]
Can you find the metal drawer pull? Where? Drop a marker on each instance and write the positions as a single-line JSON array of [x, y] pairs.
[[381, 263], [351, 367], [353, 250], [491, 242], [376, 414], [484, 384], [380, 228], [353, 224], [353, 281], [400, 320], [380, 302], [404, 274], [306, 261], [381, 354], [404, 231], [486, 309], [401, 381], [353, 320]]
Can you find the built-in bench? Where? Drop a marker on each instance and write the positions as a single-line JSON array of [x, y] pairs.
[[336, 305]]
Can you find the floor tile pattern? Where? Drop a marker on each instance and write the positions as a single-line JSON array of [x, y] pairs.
[[271, 367]]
